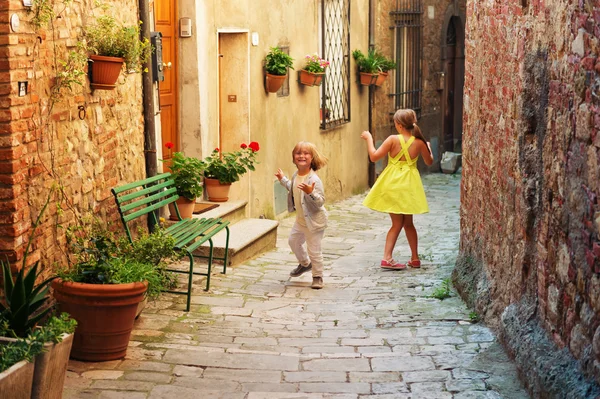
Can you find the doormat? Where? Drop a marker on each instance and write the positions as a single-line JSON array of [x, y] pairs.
[[200, 208]]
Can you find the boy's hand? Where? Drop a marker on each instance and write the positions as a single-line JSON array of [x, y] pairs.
[[279, 175], [365, 135], [306, 188]]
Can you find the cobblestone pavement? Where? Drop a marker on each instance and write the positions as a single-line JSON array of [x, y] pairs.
[[370, 333]]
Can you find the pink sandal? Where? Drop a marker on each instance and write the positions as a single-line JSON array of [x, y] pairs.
[[391, 264], [415, 264]]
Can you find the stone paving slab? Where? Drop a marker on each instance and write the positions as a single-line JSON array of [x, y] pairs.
[[370, 333]]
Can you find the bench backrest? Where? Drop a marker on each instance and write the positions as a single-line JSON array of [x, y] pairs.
[[145, 197]]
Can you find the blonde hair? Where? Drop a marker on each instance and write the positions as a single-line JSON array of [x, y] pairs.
[[318, 159], [407, 118]]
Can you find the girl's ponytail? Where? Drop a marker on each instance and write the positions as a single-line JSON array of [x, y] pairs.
[[418, 135]]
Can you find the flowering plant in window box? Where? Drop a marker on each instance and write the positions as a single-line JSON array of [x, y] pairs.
[[313, 71]]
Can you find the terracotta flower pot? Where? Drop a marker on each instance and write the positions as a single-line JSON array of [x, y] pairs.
[[274, 82], [105, 314], [311, 78], [368, 79], [216, 191], [186, 208], [105, 71], [381, 78]]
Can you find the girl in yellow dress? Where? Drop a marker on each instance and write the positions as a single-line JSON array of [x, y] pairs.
[[398, 189]]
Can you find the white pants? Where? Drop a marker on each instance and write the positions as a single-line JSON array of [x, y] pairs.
[[298, 236]]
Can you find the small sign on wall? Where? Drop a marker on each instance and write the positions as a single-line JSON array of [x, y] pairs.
[[22, 89]]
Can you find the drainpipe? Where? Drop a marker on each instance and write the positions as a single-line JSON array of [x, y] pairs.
[[371, 178], [148, 104]]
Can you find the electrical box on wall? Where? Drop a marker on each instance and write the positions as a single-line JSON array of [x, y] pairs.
[[158, 74], [185, 27]]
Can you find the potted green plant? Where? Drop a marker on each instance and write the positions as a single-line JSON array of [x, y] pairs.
[[103, 288], [24, 314], [111, 45], [385, 64], [368, 66], [17, 369], [314, 70], [277, 63], [224, 168], [188, 175]]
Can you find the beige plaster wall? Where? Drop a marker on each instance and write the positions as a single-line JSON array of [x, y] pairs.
[[277, 123]]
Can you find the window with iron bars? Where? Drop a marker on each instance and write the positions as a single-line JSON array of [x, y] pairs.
[[334, 39], [408, 27]]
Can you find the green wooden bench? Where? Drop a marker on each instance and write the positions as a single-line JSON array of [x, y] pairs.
[[145, 197]]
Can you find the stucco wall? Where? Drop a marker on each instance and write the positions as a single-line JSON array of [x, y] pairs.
[[46, 143], [530, 218], [277, 123]]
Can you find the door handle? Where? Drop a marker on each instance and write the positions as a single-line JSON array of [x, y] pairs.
[[167, 65]]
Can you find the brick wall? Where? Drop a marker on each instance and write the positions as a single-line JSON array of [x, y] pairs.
[[530, 218], [83, 143]]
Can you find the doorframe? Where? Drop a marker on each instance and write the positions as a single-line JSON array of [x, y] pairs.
[[218, 96]]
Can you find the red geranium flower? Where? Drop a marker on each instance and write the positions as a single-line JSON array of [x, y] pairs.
[[254, 146], [217, 149], [169, 145], [243, 145]]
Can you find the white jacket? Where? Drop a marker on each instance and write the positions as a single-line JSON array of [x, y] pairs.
[[312, 204]]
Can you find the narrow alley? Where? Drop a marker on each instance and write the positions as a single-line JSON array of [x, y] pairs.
[[370, 333]]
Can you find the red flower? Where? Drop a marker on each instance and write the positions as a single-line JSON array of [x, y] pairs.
[[169, 145], [243, 145], [254, 146], [217, 149]]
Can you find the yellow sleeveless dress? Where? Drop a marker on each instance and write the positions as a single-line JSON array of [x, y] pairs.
[[398, 188]]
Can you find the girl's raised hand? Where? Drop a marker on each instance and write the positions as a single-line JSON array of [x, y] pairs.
[[306, 188], [365, 135], [279, 175]]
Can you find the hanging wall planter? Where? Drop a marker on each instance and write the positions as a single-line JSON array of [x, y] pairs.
[[368, 79], [277, 63], [310, 78], [105, 71], [274, 82], [381, 78]]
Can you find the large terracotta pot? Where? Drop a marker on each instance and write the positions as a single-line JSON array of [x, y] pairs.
[[216, 191], [105, 314], [311, 78], [186, 208], [274, 82], [105, 71]]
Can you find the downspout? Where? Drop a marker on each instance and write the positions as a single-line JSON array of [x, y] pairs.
[[148, 104], [371, 178]]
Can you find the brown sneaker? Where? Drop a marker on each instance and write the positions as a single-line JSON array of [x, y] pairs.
[[300, 270], [317, 283]]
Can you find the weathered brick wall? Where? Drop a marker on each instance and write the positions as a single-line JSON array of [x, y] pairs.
[[81, 142], [530, 218]]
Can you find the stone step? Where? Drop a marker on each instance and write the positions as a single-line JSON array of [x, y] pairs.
[[247, 238], [233, 211]]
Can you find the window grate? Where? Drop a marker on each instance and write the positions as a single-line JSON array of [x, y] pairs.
[[408, 28], [334, 16]]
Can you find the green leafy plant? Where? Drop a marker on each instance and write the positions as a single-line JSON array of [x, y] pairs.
[[474, 317], [384, 63], [187, 173], [109, 38], [23, 349], [101, 258], [369, 63], [228, 167], [443, 291], [277, 62], [315, 64]]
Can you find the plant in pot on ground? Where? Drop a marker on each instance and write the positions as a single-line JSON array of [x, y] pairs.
[[109, 279], [27, 329], [277, 63], [224, 168], [111, 44], [188, 175], [368, 66], [313, 71]]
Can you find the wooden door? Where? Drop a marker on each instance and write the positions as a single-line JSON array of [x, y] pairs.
[[166, 23]]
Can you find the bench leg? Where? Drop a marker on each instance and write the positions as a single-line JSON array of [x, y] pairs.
[[210, 258], [190, 275], [226, 251]]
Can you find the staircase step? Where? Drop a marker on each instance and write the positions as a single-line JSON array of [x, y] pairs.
[[247, 238], [233, 211]]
